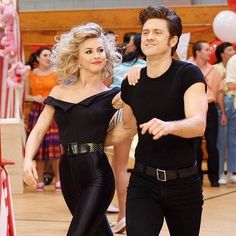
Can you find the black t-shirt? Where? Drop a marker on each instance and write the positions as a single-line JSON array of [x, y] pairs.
[[163, 98]]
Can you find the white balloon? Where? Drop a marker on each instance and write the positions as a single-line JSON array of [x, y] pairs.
[[224, 26]]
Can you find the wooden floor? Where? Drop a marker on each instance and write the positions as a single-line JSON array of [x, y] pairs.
[[45, 214]]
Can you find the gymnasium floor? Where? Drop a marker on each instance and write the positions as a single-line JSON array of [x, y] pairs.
[[45, 214]]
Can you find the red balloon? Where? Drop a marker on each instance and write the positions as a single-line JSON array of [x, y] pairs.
[[213, 44], [234, 46], [232, 4]]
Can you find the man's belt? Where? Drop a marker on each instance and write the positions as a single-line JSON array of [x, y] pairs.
[[165, 175]]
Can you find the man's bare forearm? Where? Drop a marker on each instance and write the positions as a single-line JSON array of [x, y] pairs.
[[188, 128]]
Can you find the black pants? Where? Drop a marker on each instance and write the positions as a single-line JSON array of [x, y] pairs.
[[211, 145], [88, 186], [149, 201]]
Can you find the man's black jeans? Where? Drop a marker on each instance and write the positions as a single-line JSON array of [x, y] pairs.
[[150, 201]]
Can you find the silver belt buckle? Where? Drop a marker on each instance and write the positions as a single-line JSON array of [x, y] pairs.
[[161, 175], [84, 148]]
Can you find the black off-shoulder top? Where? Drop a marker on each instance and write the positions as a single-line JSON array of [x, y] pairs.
[[86, 121]]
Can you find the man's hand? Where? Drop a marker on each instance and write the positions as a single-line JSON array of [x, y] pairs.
[[156, 127]]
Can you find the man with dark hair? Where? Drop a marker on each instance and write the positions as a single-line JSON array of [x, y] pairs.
[[169, 105], [173, 21], [201, 55]]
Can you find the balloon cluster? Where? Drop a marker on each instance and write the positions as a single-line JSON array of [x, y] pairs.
[[7, 41], [17, 74], [224, 23]]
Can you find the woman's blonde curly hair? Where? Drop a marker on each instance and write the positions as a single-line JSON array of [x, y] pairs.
[[66, 51]]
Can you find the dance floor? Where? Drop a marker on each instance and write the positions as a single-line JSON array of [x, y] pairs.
[[45, 214]]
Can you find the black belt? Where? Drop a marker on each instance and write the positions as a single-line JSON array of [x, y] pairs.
[[79, 148], [165, 175]]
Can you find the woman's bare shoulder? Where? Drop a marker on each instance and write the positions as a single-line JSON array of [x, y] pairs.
[[58, 91]]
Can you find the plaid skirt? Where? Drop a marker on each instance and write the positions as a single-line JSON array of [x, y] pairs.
[[50, 146]]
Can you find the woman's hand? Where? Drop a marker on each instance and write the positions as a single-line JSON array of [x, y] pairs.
[[133, 75], [30, 174]]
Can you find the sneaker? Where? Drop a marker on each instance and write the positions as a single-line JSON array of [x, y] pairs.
[[112, 209], [232, 178], [58, 186], [223, 179], [119, 227], [40, 187]]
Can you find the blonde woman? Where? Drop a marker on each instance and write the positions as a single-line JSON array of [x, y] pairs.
[[82, 106]]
